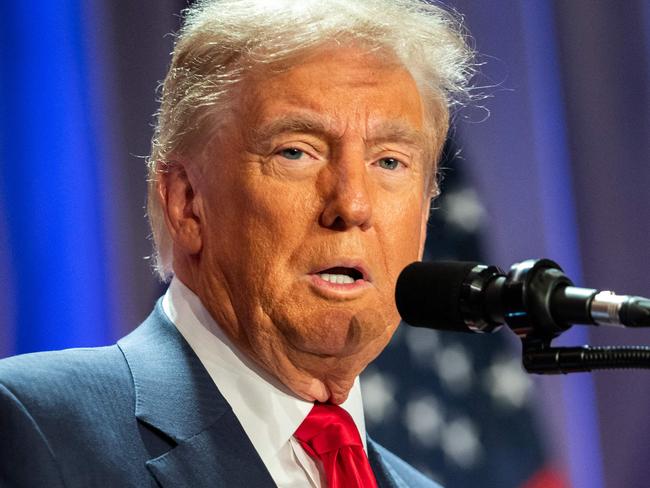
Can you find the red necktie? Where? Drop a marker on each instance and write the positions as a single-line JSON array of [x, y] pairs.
[[330, 435]]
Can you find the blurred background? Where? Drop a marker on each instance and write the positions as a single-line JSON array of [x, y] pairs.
[[554, 163]]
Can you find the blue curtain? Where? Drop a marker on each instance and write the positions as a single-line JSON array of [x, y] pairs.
[[51, 179]]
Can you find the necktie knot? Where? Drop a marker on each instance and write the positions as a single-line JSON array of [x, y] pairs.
[[330, 435], [328, 428]]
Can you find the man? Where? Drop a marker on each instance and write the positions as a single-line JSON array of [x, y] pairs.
[[290, 182]]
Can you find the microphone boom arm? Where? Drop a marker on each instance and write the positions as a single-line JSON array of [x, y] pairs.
[[539, 358]]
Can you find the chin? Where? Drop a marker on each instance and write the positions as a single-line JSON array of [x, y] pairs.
[[341, 333]]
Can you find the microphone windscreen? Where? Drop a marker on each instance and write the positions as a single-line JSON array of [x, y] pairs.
[[428, 294]]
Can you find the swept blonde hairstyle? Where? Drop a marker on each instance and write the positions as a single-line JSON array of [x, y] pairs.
[[221, 40]]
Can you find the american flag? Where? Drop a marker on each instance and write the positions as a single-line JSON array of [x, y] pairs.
[[458, 406]]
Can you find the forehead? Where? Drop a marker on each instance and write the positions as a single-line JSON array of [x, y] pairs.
[[333, 89]]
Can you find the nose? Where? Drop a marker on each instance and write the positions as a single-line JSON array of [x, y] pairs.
[[347, 196]]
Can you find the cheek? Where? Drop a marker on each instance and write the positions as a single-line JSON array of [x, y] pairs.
[[262, 226], [254, 230], [282, 214], [401, 245], [403, 229]]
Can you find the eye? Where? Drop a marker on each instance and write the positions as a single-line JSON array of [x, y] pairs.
[[389, 163], [291, 153]]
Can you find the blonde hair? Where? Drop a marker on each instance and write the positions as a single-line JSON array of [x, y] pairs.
[[221, 40]]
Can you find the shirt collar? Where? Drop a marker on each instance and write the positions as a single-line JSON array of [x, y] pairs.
[[268, 412]]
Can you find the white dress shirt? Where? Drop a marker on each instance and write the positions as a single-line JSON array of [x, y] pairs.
[[268, 412]]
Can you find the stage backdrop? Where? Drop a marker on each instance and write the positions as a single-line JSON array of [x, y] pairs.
[[561, 167]]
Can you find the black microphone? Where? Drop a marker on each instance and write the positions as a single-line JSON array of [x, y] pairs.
[[535, 299]]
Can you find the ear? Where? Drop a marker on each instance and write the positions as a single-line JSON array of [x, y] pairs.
[[181, 208]]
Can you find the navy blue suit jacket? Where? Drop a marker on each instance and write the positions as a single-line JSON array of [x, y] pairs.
[[141, 413]]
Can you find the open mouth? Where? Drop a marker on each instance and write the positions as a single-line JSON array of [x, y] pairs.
[[340, 275]]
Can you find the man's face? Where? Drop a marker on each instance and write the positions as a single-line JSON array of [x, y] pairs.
[[314, 200]]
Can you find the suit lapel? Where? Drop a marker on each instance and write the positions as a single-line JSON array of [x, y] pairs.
[[386, 476], [176, 400], [220, 455]]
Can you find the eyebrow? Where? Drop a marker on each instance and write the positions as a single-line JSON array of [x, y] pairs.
[[394, 130], [400, 132], [289, 123]]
